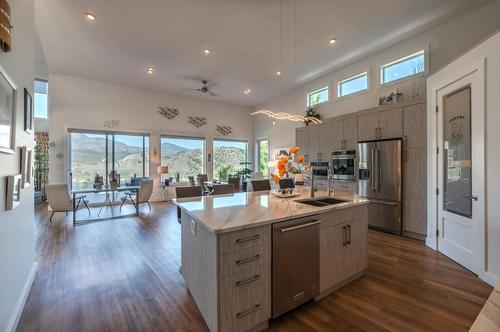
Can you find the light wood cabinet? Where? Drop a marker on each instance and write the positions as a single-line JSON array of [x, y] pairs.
[[302, 141], [336, 135], [381, 125], [343, 247], [415, 193], [314, 144], [390, 123], [367, 127], [325, 140], [415, 126], [350, 126]]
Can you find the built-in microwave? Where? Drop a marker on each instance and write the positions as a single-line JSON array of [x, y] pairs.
[[320, 169], [343, 165]]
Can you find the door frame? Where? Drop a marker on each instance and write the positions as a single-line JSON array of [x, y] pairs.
[[439, 81]]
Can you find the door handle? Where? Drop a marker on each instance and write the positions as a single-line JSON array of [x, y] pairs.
[[473, 197], [349, 237]]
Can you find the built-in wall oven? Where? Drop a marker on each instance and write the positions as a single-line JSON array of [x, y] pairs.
[[320, 169], [343, 165]]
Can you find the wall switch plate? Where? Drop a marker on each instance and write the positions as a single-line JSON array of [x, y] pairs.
[[193, 226]]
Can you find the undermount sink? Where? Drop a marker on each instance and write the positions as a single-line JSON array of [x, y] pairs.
[[322, 201]]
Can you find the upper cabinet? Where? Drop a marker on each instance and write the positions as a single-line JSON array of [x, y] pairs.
[[350, 133], [326, 139], [302, 141], [380, 125], [336, 134], [415, 126]]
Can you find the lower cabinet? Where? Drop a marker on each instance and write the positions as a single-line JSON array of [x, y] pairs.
[[343, 251]]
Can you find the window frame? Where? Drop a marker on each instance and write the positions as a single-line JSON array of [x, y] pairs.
[[327, 87], [212, 150], [402, 57], [204, 154], [351, 77], [110, 155], [47, 94], [257, 153]]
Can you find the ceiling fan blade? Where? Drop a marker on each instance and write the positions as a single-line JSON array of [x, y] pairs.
[[213, 94], [188, 89]]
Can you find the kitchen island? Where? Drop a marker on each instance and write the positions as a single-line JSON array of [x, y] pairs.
[[227, 251]]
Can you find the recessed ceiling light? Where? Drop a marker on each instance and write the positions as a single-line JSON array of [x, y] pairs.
[[207, 51], [332, 41], [150, 70], [247, 91], [90, 16], [279, 73]]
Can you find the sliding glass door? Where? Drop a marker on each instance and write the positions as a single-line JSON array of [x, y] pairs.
[[229, 157], [93, 153], [262, 156]]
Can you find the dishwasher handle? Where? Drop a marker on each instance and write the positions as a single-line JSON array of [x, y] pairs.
[[292, 228]]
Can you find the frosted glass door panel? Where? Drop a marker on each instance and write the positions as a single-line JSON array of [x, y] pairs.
[[457, 152]]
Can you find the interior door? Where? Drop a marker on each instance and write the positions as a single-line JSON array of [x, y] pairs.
[[461, 171]]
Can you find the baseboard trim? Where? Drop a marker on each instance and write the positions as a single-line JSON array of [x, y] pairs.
[[21, 302], [490, 278]]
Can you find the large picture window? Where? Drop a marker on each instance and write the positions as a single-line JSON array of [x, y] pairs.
[[262, 156], [229, 157], [184, 156], [95, 153]]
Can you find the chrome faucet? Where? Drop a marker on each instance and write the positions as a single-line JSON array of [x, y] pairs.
[[330, 179], [312, 182]]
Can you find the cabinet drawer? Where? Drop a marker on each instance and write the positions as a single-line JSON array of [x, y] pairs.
[[246, 309], [244, 260], [246, 238], [249, 276]]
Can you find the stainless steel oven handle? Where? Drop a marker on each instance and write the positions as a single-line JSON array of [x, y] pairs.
[[288, 229]]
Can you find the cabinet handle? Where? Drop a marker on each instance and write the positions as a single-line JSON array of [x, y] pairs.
[[345, 236], [248, 312], [349, 238], [246, 239], [248, 281], [247, 260]]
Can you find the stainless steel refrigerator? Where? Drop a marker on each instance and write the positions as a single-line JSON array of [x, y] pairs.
[[380, 181]]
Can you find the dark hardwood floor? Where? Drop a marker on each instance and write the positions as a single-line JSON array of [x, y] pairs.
[[122, 275]]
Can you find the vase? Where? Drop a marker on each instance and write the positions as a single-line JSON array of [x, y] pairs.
[[299, 178]]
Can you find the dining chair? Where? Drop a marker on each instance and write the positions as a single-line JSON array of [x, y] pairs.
[[186, 192], [201, 182], [145, 193], [259, 185], [191, 181], [235, 181], [221, 189], [60, 199], [204, 176], [286, 183]]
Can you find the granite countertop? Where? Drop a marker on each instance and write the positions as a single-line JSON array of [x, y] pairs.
[[228, 213]]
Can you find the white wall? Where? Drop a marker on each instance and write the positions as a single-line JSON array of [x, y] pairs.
[[86, 104], [17, 232], [445, 43], [490, 51]]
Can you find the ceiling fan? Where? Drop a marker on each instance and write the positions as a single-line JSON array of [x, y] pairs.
[[205, 89]]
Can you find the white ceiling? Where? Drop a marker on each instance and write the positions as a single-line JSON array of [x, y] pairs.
[[129, 35]]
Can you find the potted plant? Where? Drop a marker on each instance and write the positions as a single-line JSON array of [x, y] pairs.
[[290, 164]]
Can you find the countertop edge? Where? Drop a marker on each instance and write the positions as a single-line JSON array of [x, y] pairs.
[[321, 210]]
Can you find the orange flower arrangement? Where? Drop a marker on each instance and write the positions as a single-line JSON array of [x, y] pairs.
[[285, 164]]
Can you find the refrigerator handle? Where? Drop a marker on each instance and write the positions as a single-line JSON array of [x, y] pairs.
[[372, 170], [377, 180]]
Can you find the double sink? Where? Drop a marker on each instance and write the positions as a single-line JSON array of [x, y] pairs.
[[321, 201]]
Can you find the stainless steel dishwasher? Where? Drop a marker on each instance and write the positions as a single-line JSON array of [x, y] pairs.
[[295, 263]]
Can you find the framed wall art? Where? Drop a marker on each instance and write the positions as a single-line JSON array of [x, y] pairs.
[[13, 192], [26, 166], [28, 111], [7, 113]]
